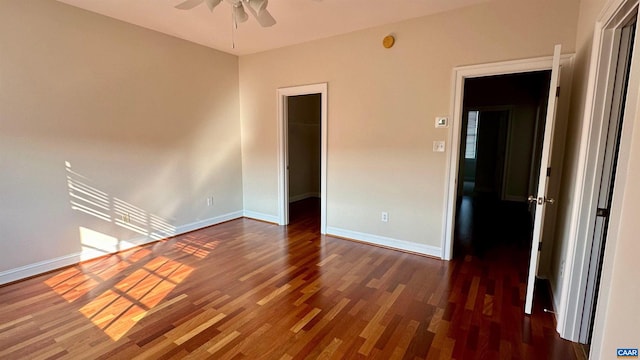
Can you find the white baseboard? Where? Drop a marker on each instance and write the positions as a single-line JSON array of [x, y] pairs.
[[262, 217], [303, 196], [208, 222], [555, 300], [387, 242], [26, 271]]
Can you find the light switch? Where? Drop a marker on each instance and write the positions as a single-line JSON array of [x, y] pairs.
[[442, 122], [438, 146]]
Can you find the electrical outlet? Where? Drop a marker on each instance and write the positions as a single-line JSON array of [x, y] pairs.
[[438, 146], [210, 201], [384, 217]]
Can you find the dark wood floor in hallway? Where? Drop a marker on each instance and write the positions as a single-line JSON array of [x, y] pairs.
[[248, 289]]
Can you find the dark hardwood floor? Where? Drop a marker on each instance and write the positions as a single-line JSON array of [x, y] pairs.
[[485, 224], [248, 289]]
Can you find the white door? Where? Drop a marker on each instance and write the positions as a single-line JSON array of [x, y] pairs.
[[541, 200]]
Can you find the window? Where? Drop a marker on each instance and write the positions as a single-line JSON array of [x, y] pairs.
[[472, 134]]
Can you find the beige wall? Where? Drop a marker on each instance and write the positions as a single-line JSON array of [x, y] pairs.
[[382, 105], [147, 122]]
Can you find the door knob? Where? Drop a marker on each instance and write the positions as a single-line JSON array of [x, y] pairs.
[[532, 199], [540, 200]]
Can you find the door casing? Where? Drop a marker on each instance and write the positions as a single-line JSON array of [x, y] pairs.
[[583, 210], [493, 69], [283, 161]]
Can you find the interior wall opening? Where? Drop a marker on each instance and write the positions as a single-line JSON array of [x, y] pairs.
[[498, 166], [304, 156]]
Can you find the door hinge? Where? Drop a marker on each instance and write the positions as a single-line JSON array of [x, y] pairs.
[[548, 172], [602, 212], [540, 246], [558, 91]]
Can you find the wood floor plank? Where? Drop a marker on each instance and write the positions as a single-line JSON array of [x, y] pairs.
[[328, 351], [252, 290], [8, 324], [181, 340], [305, 320], [244, 345], [223, 342]]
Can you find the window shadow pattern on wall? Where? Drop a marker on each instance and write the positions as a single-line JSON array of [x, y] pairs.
[[90, 200]]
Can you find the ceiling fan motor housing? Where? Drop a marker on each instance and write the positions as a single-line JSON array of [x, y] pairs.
[[257, 8]]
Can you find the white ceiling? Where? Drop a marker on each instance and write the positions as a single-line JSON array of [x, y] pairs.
[[298, 20]]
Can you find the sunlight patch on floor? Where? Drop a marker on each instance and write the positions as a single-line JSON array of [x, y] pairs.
[[199, 248], [119, 307]]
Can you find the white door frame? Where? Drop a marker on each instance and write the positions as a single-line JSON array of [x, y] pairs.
[[283, 154], [473, 71], [583, 209]]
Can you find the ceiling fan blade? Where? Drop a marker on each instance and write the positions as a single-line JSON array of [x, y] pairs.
[[188, 4], [212, 3], [258, 5], [265, 19]]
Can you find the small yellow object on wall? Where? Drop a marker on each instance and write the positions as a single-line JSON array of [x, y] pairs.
[[388, 41]]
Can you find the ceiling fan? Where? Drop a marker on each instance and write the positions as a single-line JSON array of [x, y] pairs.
[[257, 8]]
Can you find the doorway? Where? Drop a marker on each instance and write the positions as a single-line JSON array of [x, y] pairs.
[[461, 76], [499, 162], [553, 138], [304, 153], [297, 95]]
